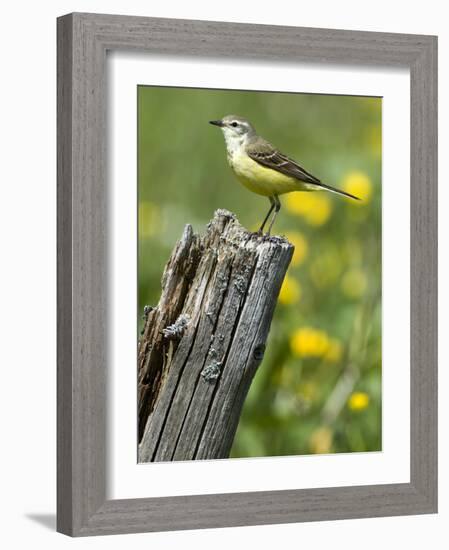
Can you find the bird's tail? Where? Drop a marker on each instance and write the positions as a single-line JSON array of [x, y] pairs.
[[337, 191]]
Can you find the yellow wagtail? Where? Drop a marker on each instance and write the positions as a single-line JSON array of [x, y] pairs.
[[262, 168]]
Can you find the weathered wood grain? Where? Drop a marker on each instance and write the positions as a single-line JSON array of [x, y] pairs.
[[204, 341], [175, 282]]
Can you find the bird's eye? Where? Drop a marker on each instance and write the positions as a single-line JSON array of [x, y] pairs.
[[234, 124]]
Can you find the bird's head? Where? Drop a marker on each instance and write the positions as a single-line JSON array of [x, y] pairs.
[[235, 128]]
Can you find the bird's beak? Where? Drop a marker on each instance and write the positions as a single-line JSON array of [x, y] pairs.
[[216, 123]]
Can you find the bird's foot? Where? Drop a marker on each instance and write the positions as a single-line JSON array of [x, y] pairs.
[[260, 234]]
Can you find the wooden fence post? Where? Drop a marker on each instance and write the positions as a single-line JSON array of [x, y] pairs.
[[203, 342]]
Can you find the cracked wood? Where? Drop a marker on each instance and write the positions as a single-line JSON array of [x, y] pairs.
[[203, 343]]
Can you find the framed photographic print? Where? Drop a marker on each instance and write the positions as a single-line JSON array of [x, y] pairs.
[[246, 274]]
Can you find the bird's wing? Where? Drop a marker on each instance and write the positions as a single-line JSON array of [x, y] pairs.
[[265, 154]]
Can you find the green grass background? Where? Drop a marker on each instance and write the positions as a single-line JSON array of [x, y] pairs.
[[318, 389]]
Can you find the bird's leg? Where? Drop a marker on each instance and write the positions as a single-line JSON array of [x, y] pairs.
[[272, 202], [277, 207]]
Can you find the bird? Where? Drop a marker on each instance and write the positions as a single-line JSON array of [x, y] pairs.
[[263, 169]]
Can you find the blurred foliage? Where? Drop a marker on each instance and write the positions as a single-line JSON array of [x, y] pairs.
[[318, 389]]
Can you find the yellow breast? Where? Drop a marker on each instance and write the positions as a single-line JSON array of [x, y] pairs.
[[259, 179]]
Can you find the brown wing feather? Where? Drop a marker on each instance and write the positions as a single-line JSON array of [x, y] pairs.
[[265, 154]]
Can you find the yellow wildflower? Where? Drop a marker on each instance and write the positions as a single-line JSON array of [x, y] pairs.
[[309, 342], [359, 184], [301, 247], [321, 440], [290, 291], [354, 283], [314, 207], [358, 401]]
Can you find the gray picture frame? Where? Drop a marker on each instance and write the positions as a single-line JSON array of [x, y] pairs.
[[83, 41]]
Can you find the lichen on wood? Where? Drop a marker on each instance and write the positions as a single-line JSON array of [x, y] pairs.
[[203, 343]]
